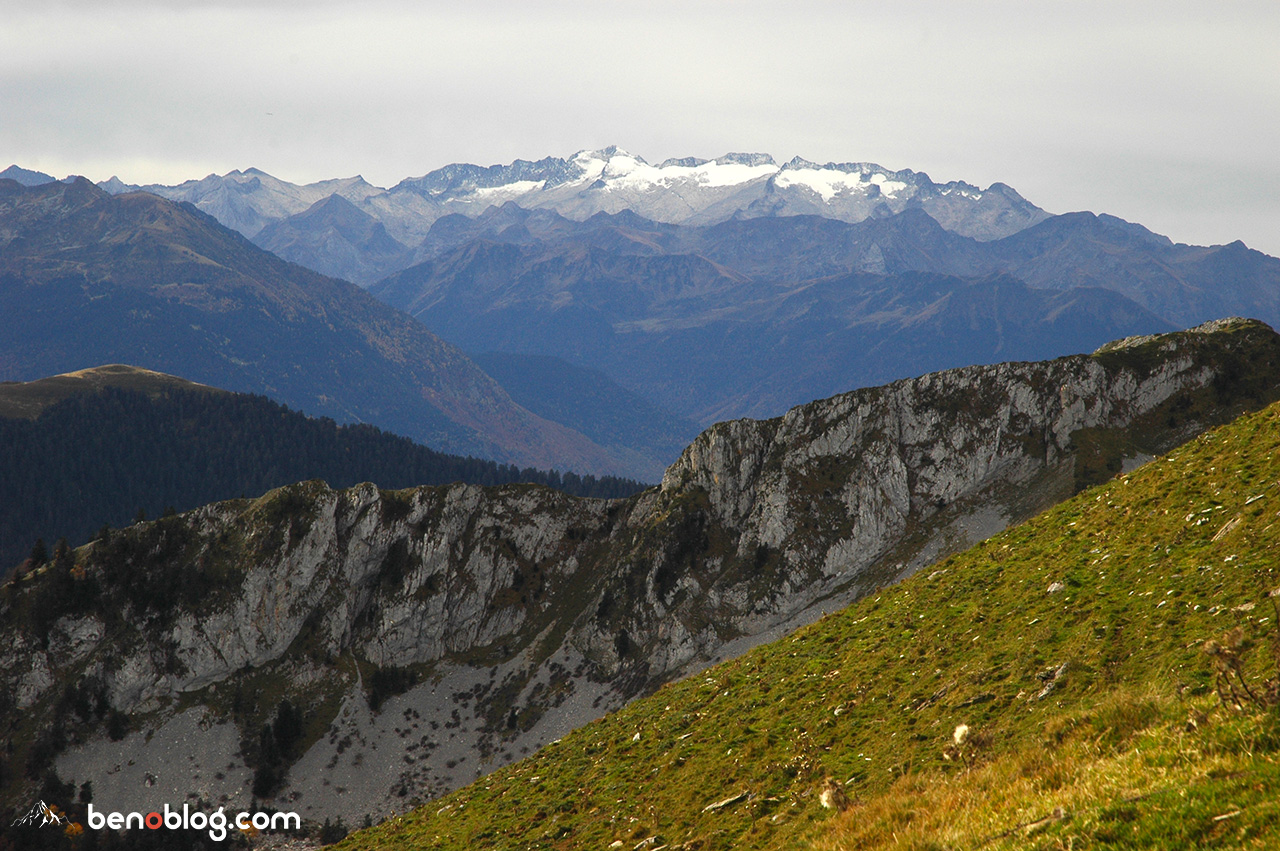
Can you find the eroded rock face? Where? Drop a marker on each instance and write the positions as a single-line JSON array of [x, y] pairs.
[[896, 454], [524, 612]]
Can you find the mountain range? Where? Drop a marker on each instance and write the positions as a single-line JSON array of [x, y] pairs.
[[749, 316], [380, 230], [699, 283], [745, 318], [339, 648], [87, 278]]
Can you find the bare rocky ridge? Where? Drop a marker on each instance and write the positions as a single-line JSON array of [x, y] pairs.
[[525, 612]]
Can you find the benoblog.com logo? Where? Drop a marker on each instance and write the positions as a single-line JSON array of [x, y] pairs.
[[217, 822]]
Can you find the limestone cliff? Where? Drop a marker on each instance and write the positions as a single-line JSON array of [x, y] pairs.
[[430, 634]]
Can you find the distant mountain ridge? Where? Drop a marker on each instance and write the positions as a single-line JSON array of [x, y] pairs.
[[1181, 283], [355, 246], [25, 176], [1184, 284], [246, 201], [749, 316], [743, 318], [89, 278], [701, 284], [692, 190], [688, 190]]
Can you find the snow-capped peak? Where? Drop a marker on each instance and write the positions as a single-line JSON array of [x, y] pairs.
[[615, 169], [509, 190], [833, 179], [610, 179]]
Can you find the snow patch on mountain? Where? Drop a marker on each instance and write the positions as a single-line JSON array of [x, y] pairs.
[[964, 190], [593, 163], [615, 170], [829, 182], [510, 190]]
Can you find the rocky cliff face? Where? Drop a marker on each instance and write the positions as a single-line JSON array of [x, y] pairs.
[[431, 634]]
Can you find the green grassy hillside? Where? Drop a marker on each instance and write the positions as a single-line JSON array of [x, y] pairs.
[[1072, 647]]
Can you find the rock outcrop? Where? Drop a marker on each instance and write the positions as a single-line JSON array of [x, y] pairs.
[[431, 634]]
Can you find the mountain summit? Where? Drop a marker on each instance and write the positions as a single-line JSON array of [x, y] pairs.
[[25, 176], [691, 190]]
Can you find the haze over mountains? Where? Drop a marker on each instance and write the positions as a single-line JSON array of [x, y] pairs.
[[747, 317], [797, 307]]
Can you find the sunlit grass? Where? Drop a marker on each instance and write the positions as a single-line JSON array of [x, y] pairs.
[[1169, 784]]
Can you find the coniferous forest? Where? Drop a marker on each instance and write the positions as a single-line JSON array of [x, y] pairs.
[[115, 456]]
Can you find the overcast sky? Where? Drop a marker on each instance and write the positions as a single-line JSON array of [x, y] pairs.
[[1165, 113]]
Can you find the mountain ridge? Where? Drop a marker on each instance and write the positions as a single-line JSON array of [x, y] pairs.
[[505, 617], [707, 341], [90, 278], [679, 190], [801, 278], [28, 400], [1071, 682]]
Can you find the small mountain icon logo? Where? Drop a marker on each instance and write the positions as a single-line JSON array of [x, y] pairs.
[[41, 815]]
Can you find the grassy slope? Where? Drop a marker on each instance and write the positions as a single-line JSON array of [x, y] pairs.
[[1132, 747]]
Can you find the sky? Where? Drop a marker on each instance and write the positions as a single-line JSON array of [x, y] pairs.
[[1163, 113]]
